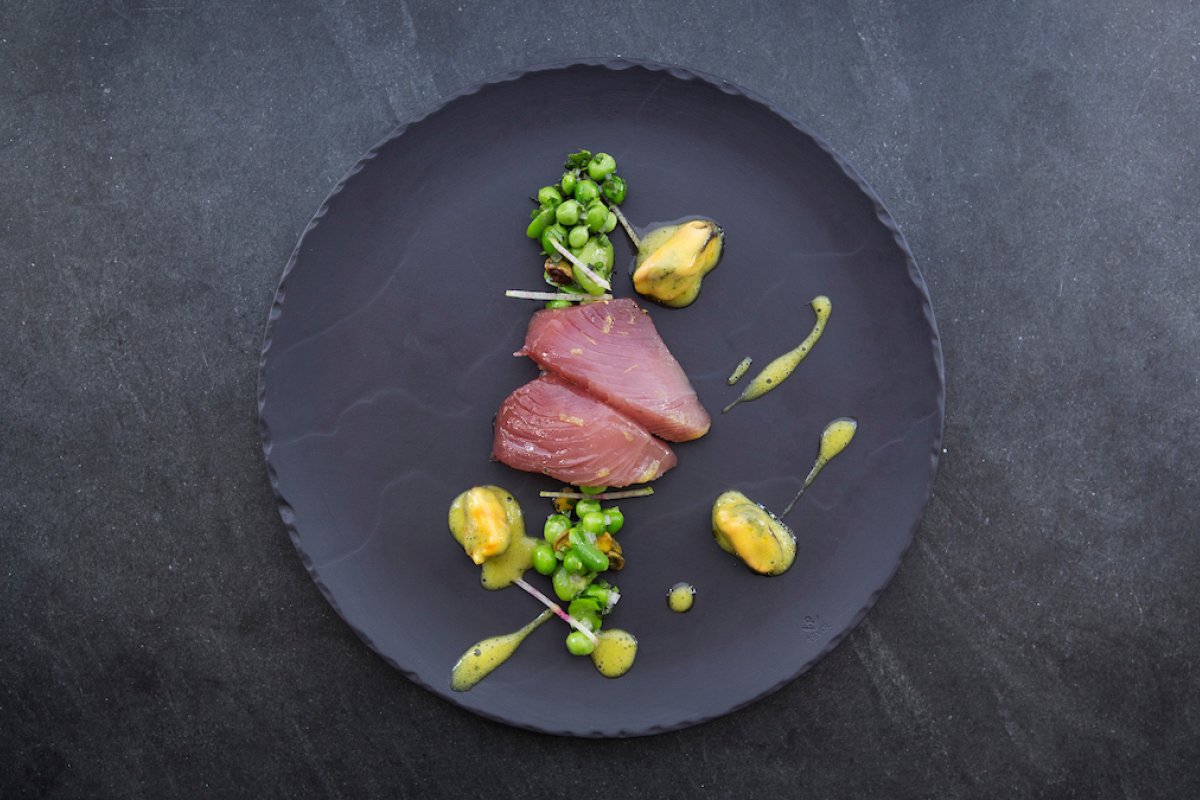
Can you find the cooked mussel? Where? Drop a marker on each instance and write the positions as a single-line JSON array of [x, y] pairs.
[[753, 534], [485, 520], [673, 260]]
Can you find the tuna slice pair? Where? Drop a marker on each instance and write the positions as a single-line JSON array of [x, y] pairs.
[[611, 383]]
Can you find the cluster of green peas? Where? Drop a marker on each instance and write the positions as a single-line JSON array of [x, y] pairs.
[[575, 568], [574, 213]]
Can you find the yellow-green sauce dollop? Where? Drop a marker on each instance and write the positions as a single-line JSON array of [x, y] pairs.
[[615, 651], [681, 597]]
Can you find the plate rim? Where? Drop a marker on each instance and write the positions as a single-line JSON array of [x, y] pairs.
[[614, 64]]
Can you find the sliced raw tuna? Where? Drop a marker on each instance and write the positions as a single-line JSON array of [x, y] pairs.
[[555, 428], [613, 350]]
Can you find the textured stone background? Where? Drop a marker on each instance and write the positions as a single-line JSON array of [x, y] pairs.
[[159, 638]]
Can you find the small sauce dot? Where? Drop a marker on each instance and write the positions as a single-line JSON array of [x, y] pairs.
[[680, 597]]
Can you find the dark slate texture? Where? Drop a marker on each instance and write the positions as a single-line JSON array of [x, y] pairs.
[[160, 637]]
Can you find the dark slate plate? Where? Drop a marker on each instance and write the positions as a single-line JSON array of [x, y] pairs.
[[389, 349]]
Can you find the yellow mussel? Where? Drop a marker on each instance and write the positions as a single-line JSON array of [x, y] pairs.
[[673, 260], [753, 534]]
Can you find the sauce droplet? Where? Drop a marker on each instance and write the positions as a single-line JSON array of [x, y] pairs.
[[483, 657], [680, 597], [778, 370], [615, 651], [834, 439], [740, 370]]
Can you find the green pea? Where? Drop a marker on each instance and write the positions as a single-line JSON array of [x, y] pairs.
[[567, 586], [568, 213], [614, 189], [601, 166], [597, 215], [592, 489], [593, 523], [590, 557], [539, 223], [578, 236], [543, 559], [610, 224], [614, 520], [556, 232], [572, 561], [579, 645], [585, 507], [568, 182], [549, 196], [586, 191], [556, 524], [559, 304]]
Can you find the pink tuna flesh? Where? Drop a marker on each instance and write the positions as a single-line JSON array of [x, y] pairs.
[[613, 350], [557, 429]]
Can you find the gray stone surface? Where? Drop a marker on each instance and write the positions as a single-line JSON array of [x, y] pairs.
[[161, 639]]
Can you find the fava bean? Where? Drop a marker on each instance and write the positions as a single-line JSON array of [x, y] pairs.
[[556, 525], [567, 586], [578, 236], [597, 215], [543, 559], [614, 189], [586, 191], [556, 232], [544, 218], [601, 166], [568, 182], [594, 523], [568, 212], [549, 196]]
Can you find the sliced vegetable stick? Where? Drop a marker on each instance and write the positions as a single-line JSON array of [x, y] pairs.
[[520, 294], [557, 609], [645, 491], [633, 237]]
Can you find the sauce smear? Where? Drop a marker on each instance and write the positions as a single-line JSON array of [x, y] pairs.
[[483, 657], [502, 571], [834, 439], [778, 370]]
